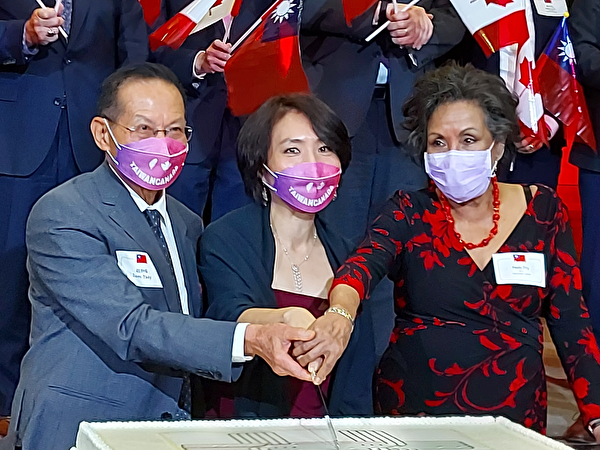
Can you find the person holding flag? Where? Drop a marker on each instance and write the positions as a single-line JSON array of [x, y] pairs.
[[211, 167], [586, 42], [539, 153], [365, 83]]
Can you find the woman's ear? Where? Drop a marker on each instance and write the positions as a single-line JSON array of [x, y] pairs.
[[498, 151]]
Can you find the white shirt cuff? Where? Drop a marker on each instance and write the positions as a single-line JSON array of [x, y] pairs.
[[552, 125], [239, 338], [28, 51], [194, 73]]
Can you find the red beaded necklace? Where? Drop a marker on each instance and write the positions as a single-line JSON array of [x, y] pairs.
[[495, 217]]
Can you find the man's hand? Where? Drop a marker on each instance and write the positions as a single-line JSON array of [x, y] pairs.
[[332, 335], [412, 28], [296, 316], [42, 26], [529, 144], [272, 343], [214, 58]]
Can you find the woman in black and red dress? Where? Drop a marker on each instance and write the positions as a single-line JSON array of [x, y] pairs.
[[476, 264]]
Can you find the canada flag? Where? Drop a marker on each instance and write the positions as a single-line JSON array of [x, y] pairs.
[[508, 25]]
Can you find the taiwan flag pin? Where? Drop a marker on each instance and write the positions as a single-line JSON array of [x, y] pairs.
[[141, 259], [519, 258]]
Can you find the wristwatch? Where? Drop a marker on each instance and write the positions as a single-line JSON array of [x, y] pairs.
[[592, 425]]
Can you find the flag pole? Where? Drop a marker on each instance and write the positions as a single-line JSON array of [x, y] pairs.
[[385, 25], [60, 29], [246, 34]]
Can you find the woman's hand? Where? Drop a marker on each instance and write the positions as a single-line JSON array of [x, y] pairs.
[[298, 317], [332, 333]]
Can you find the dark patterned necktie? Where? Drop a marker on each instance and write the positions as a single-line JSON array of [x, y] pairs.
[[67, 14], [153, 217]]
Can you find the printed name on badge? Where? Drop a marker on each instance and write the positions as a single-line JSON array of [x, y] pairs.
[[527, 269], [138, 268], [551, 8]]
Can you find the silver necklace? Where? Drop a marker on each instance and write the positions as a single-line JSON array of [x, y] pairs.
[[295, 267]]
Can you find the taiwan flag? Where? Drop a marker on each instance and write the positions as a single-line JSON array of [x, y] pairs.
[[268, 62], [141, 259], [151, 10], [176, 30], [562, 93], [355, 8]]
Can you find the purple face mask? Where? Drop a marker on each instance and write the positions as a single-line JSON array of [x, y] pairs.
[[151, 163], [307, 187]]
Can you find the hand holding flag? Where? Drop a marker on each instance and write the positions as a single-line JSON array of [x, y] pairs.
[[214, 58]]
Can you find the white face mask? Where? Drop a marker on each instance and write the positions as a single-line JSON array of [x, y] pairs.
[[461, 175]]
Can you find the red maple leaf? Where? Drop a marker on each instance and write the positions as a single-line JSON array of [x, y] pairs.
[[499, 2], [528, 77]]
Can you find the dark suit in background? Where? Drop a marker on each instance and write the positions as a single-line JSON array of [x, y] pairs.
[[342, 71], [46, 104], [542, 166], [584, 26], [210, 175]]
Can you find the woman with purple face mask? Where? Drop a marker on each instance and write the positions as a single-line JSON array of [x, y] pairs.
[[476, 264], [274, 261]]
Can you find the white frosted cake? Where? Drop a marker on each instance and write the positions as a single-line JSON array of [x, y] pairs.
[[381, 433]]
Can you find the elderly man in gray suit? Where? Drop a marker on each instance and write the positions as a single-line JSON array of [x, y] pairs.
[[115, 293]]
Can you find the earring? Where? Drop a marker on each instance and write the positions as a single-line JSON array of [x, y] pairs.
[[265, 196], [495, 168]]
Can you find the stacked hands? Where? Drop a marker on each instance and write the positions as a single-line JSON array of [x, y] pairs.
[[301, 345], [42, 26]]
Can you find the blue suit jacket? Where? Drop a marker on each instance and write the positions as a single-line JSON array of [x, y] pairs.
[[207, 98], [101, 347], [342, 68], [583, 25], [104, 35]]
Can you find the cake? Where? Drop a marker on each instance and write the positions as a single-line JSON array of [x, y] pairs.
[[380, 433]]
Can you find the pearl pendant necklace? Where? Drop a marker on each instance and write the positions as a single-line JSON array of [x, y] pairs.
[[297, 275]]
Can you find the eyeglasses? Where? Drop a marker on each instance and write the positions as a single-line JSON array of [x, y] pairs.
[[144, 131]]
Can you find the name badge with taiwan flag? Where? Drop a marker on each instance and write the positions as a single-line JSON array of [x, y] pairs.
[[138, 267], [528, 269]]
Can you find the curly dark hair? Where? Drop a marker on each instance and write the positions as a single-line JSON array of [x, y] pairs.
[[453, 83], [254, 139]]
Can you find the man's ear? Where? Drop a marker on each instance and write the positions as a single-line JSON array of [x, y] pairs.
[[100, 133]]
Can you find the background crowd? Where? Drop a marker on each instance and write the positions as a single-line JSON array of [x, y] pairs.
[[364, 125]]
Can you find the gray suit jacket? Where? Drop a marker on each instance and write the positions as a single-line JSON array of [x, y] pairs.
[[101, 347]]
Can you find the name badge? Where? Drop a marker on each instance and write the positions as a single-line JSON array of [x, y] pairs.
[[520, 268], [551, 8], [138, 267]]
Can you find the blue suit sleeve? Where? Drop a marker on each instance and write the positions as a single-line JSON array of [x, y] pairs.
[[583, 25], [132, 41], [11, 42]]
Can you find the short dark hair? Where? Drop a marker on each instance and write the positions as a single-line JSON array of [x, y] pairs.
[[108, 102], [452, 83], [254, 139]]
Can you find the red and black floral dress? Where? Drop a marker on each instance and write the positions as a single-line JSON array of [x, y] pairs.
[[462, 343]]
